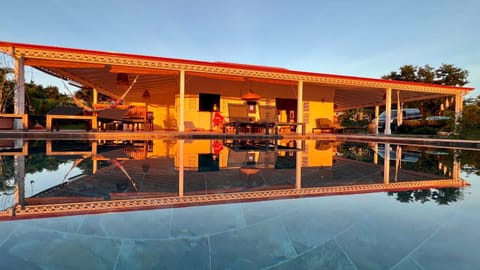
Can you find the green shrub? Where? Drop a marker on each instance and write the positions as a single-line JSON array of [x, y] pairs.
[[425, 131]]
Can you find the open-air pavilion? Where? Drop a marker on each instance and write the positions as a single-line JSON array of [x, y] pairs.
[[184, 95]]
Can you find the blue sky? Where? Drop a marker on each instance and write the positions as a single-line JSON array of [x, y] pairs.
[[366, 38]]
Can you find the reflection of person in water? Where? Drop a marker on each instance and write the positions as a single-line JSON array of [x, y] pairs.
[[150, 121], [217, 147], [38, 126]]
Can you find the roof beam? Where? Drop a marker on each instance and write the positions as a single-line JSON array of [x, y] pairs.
[[85, 82], [60, 64]]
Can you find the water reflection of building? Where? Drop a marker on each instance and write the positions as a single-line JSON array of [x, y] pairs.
[[163, 173]]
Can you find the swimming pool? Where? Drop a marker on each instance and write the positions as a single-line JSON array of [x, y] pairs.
[[237, 204]]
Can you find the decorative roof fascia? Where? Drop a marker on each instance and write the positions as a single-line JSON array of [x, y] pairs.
[[84, 56]]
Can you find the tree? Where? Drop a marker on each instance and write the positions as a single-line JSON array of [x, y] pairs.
[[7, 90], [446, 74], [470, 122], [426, 74]]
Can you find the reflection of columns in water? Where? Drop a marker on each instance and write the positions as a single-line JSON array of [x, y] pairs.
[[94, 166], [18, 143], [298, 168], [375, 152], [456, 166], [181, 157], [94, 161], [386, 164], [19, 163]]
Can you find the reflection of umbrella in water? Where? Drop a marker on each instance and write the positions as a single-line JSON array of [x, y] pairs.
[[407, 156], [249, 171]]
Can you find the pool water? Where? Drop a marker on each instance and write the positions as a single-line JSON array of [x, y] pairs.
[[210, 204]]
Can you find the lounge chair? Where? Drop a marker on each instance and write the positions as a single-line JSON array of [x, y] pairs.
[[325, 124]]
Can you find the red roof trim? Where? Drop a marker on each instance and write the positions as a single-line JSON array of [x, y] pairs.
[[220, 64]]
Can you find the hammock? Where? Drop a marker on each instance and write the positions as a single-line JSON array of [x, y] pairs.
[[117, 102]]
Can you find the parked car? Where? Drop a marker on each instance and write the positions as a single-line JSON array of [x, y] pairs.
[[438, 120], [408, 114]]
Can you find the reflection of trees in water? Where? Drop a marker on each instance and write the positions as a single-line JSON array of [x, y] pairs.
[[34, 162], [39, 162], [431, 163], [427, 162], [7, 168], [441, 196], [470, 161], [356, 151]]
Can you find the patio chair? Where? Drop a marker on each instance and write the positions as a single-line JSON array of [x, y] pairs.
[[325, 124], [268, 117], [237, 117]]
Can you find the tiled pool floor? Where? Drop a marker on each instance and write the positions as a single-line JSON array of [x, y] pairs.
[[369, 231]]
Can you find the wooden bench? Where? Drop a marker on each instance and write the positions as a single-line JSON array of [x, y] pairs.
[[279, 126], [22, 116], [92, 118]]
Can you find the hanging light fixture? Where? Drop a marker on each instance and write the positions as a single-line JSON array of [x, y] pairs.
[[251, 98], [146, 95]]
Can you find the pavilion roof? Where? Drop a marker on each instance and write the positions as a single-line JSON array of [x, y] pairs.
[[99, 69]]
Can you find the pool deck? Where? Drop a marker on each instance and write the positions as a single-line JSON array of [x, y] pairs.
[[188, 135]]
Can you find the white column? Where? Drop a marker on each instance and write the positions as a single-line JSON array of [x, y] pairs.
[[181, 117], [300, 105], [458, 107], [388, 111], [377, 113], [95, 96], [19, 95], [399, 110]]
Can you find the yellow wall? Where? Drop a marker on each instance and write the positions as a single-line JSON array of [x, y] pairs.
[[318, 101], [163, 148], [192, 148]]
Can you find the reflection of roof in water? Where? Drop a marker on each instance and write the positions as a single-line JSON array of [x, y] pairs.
[[407, 156], [157, 182]]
